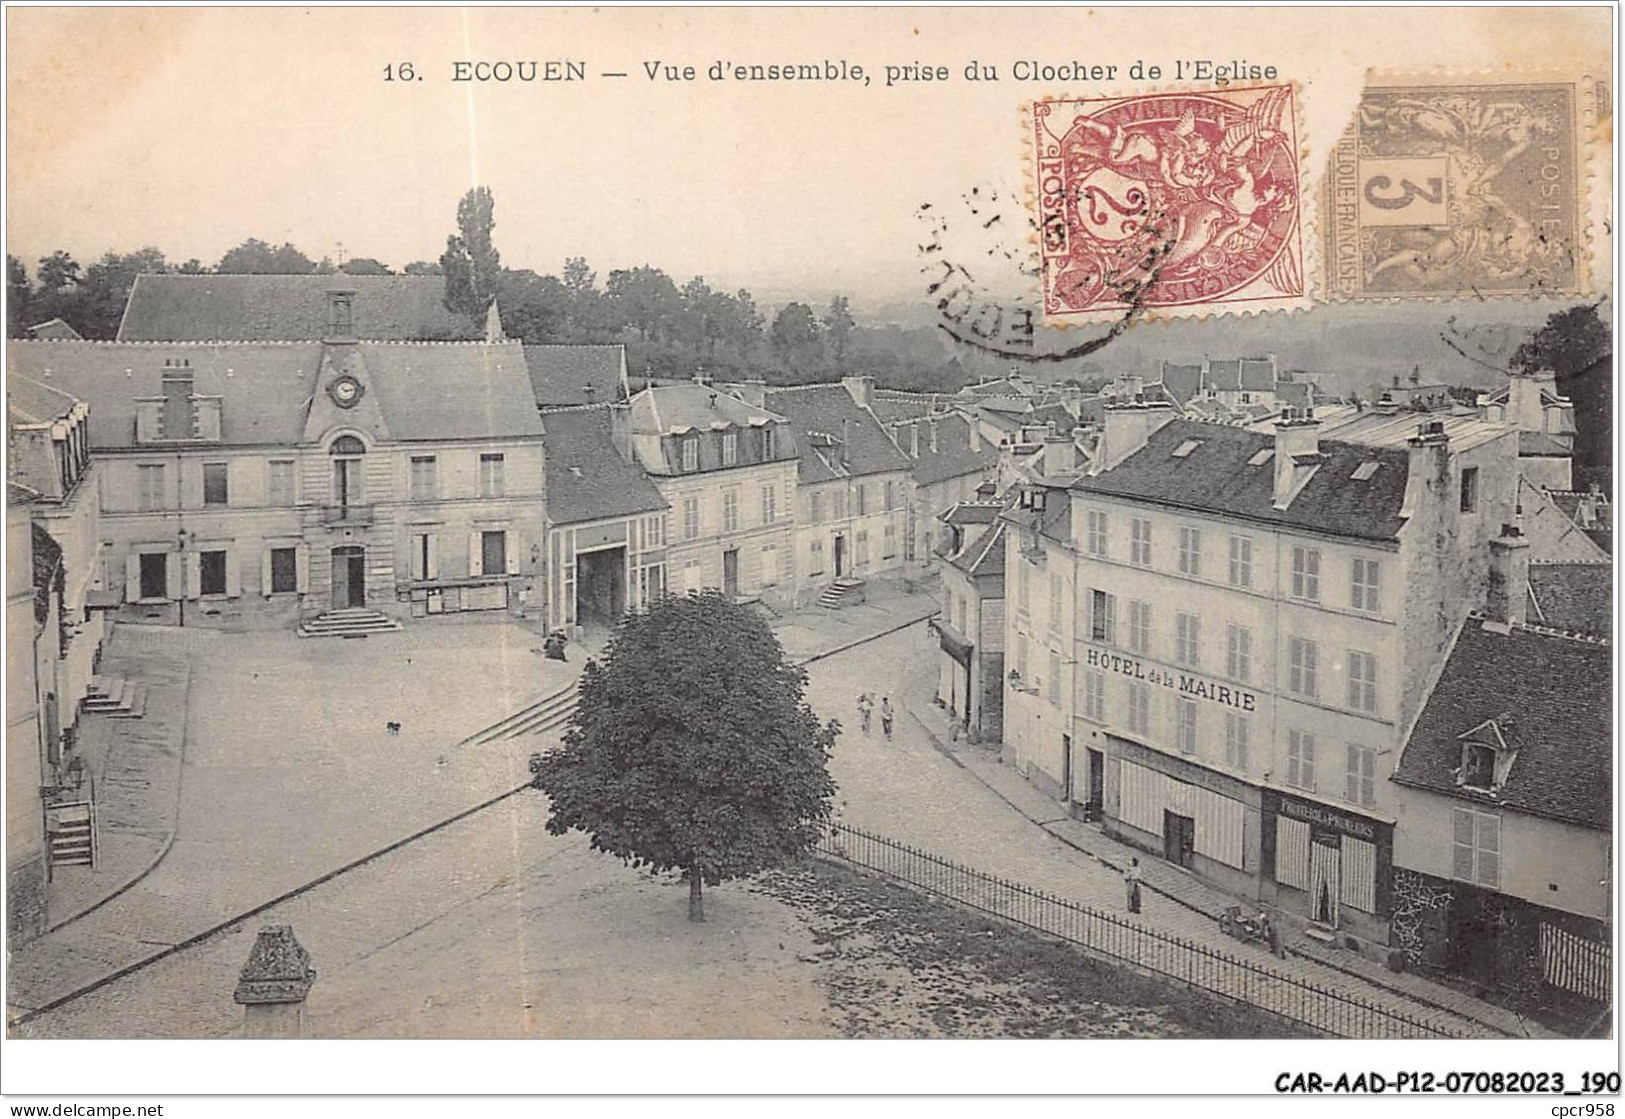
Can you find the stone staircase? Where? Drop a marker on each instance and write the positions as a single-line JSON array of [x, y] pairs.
[[548, 713], [116, 697], [845, 591], [71, 832], [356, 621]]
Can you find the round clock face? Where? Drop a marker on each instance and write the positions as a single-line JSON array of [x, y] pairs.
[[345, 391]]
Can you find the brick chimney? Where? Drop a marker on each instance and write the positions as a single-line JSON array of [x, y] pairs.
[[1297, 452], [1507, 596], [862, 389], [1060, 454], [1428, 471], [180, 413], [975, 434], [1127, 428]]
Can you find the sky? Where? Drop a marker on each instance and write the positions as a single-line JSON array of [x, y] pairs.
[[192, 129]]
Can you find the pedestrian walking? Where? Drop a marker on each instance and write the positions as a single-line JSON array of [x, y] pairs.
[[866, 709], [886, 716], [1131, 879]]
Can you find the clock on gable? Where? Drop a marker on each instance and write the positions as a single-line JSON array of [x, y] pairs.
[[345, 390]]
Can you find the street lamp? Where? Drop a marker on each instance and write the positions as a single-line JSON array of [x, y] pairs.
[[180, 538]]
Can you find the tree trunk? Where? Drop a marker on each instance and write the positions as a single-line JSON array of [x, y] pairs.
[[696, 904]]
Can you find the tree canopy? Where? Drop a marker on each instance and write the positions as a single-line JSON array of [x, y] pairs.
[[692, 747], [256, 257], [471, 263]]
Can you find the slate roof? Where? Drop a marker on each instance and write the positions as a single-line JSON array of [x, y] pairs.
[[983, 553], [893, 405], [1215, 477], [1181, 381], [971, 512], [1533, 444], [426, 391], [54, 330], [562, 375], [953, 457], [828, 410], [1573, 596], [225, 308], [34, 402], [1064, 423], [1550, 697], [587, 479]]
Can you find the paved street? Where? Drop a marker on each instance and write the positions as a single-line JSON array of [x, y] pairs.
[[289, 773], [906, 790]]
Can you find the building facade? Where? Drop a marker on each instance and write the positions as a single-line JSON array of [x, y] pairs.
[[1216, 647], [25, 745], [1502, 861], [970, 628], [726, 470], [266, 483], [852, 485]]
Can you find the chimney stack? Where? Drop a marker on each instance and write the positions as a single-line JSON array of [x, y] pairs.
[[914, 440], [1428, 470], [861, 388], [1060, 454], [753, 392], [933, 434], [975, 434], [1524, 407], [1297, 451], [180, 413], [1507, 597], [1127, 428]]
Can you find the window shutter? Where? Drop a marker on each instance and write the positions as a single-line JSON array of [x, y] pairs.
[[433, 567], [475, 560], [301, 563], [417, 544], [1489, 850], [265, 572], [1351, 787], [132, 577], [174, 576], [510, 552], [1461, 862], [234, 574], [194, 574]]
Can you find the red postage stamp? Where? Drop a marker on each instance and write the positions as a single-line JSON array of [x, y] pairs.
[[1170, 202]]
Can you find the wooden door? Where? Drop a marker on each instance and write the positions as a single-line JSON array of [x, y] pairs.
[[1097, 784]]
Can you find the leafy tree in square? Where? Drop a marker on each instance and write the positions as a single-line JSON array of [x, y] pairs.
[[692, 748], [256, 257], [1577, 345]]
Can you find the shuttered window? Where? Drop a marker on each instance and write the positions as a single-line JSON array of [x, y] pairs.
[[1187, 639], [1306, 573], [1300, 760], [1139, 627], [1303, 660], [1292, 853], [1238, 652], [1357, 875], [1476, 848]]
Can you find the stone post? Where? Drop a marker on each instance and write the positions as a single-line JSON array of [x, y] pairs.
[[273, 985]]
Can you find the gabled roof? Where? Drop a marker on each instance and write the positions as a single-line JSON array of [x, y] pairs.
[[983, 553], [34, 402], [1047, 413], [587, 479], [953, 457], [971, 513], [841, 438], [566, 375], [1578, 597], [1550, 698], [664, 408], [1550, 522], [210, 307], [426, 391], [54, 330], [892, 405], [1181, 381], [1216, 477]]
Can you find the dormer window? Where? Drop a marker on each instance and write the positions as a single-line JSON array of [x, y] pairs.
[[769, 441], [730, 448], [691, 455], [341, 314], [1486, 755]]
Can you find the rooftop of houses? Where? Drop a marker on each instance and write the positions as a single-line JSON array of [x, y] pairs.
[[1578, 597], [565, 375], [54, 330], [587, 479], [1378, 427], [893, 405], [210, 307], [839, 437], [1355, 490], [1247, 374], [954, 457], [983, 553], [423, 391], [1537, 444], [1591, 512], [33, 402], [971, 513], [1564, 525], [1545, 698]]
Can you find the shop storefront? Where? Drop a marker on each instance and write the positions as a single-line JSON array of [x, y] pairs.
[[1329, 865]]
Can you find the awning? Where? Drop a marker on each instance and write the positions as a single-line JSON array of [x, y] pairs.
[[953, 644]]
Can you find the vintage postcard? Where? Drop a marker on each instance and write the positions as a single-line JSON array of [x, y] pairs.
[[565, 527]]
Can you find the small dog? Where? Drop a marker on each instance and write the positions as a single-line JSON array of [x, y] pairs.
[[393, 728]]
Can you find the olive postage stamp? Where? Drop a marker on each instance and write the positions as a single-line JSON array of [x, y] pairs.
[[1445, 188], [1170, 203]]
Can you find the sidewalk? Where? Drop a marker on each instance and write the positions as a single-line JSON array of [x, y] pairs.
[[1186, 889], [815, 632], [135, 768]]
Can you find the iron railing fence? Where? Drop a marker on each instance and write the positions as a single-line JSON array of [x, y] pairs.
[[1295, 1000]]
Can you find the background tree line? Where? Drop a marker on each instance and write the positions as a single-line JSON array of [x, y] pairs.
[[669, 329]]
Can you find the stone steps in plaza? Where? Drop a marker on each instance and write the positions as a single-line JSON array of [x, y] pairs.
[[538, 717], [355, 621], [116, 697], [845, 591]]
